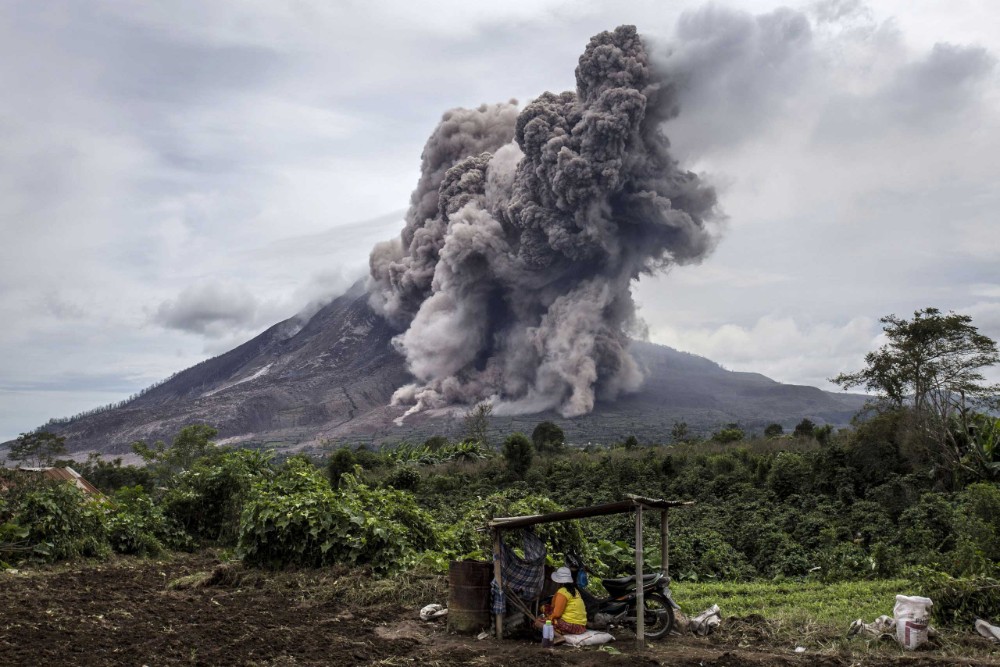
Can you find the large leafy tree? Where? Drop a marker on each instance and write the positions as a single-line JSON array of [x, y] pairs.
[[547, 436], [191, 443], [37, 448], [932, 364]]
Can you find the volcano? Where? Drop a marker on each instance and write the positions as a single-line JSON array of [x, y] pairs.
[[329, 381]]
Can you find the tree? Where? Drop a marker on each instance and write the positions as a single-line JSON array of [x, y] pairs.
[[773, 430], [518, 453], [37, 448], [547, 436], [341, 461], [680, 432], [731, 433], [630, 442], [823, 433], [190, 444], [933, 366], [805, 428], [477, 423]]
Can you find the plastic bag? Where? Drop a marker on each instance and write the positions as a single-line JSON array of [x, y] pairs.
[[588, 638]]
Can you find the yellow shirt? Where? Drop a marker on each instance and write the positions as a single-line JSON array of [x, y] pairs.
[[576, 610]]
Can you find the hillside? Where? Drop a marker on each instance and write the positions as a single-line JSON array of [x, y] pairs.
[[332, 377]]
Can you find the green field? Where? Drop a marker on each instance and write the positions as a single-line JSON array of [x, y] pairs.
[[834, 605]]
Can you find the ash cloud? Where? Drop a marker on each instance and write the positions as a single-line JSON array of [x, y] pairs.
[[511, 279], [211, 309]]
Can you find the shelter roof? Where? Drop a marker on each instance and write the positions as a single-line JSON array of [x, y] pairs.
[[629, 504], [66, 474]]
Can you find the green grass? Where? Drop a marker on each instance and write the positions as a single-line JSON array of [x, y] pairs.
[[817, 616], [833, 605]]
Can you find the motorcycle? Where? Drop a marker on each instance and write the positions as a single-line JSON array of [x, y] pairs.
[[620, 607]]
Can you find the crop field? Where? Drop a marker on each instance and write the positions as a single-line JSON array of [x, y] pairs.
[[198, 609]]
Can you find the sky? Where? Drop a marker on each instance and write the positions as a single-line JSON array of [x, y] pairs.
[[176, 177]]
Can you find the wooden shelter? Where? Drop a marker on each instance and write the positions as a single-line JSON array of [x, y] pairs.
[[631, 503]]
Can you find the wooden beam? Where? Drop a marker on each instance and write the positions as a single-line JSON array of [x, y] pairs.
[[640, 612], [618, 507], [498, 577], [664, 545]]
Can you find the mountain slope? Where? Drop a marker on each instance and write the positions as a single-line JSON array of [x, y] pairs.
[[332, 379]]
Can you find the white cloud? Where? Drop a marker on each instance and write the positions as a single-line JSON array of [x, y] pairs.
[[211, 309], [779, 347]]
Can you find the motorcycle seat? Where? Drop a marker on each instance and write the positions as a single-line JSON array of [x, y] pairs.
[[626, 581]]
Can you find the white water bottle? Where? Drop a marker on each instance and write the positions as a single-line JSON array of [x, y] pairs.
[[548, 634]]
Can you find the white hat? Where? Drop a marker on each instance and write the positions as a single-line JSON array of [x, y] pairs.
[[562, 576]]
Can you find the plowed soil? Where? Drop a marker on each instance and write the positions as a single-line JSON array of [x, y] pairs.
[[123, 612]]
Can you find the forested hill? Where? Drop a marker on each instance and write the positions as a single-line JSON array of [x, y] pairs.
[[332, 377]]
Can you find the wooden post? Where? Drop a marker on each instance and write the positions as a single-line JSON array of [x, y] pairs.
[[664, 545], [498, 577], [640, 597]]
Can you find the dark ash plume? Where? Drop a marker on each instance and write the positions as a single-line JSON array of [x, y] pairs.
[[511, 279]]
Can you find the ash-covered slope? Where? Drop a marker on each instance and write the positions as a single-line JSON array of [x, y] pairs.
[[332, 379], [292, 383]]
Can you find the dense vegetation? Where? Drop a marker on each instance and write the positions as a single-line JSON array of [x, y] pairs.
[[890, 498]]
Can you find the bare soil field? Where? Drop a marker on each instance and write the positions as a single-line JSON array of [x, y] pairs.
[[192, 610]]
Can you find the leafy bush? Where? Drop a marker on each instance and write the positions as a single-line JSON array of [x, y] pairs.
[[927, 529], [788, 475], [731, 433], [296, 518], [959, 602], [805, 428], [340, 462], [700, 554], [463, 537], [404, 479], [518, 452], [53, 521], [109, 476], [547, 436], [137, 526], [207, 500], [980, 518]]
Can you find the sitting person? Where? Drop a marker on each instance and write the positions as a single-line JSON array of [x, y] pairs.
[[567, 611]]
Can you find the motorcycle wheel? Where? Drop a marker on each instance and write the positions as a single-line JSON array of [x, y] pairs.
[[659, 616]]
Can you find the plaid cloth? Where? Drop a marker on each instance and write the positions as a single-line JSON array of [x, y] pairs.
[[524, 576]]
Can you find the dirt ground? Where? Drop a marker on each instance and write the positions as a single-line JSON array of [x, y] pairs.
[[189, 610]]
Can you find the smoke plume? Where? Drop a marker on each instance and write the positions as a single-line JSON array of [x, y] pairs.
[[511, 279]]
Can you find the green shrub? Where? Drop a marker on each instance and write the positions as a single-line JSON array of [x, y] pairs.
[[297, 519], [137, 526], [805, 428], [57, 522], [789, 475], [518, 452], [405, 478], [958, 602], [773, 430], [340, 462], [980, 518], [927, 529], [547, 436], [697, 554], [462, 537], [207, 499], [109, 476]]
